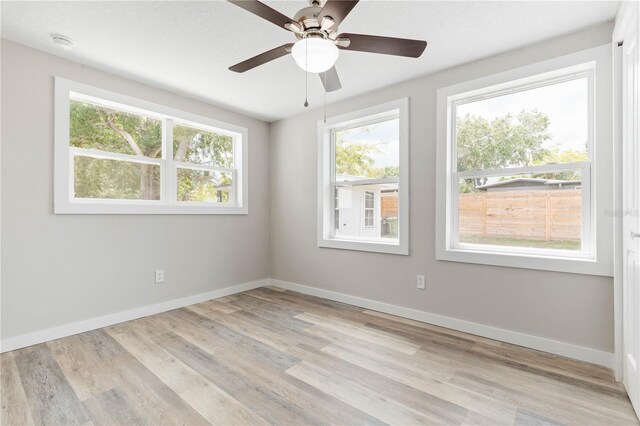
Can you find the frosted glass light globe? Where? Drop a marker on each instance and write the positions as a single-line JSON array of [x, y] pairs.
[[315, 55]]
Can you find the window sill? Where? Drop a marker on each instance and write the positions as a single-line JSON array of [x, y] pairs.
[[573, 265], [124, 208], [369, 246]]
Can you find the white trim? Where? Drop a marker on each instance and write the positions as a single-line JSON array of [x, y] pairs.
[[64, 201], [617, 207], [326, 211], [600, 260], [523, 170], [362, 182], [202, 167], [96, 153], [623, 20], [516, 338], [65, 330], [534, 342]]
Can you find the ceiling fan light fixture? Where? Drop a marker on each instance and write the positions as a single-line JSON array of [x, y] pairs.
[[315, 55]]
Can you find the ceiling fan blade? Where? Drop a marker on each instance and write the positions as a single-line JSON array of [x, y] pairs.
[[384, 45], [265, 12], [336, 10], [330, 80], [262, 58]]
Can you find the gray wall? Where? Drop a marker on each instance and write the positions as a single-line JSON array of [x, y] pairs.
[[571, 308], [58, 269]]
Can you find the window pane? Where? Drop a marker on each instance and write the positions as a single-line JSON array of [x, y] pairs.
[[370, 151], [369, 199], [545, 125], [356, 221], [114, 179], [368, 219], [532, 210], [202, 147], [98, 127], [204, 186]]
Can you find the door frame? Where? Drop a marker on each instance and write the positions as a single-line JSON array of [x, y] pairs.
[[617, 188], [627, 22], [623, 20]]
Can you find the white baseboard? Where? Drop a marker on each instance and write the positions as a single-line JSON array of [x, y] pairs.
[[53, 333], [568, 350], [540, 343]]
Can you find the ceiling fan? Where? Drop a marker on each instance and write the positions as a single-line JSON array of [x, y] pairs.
[[318, 45]]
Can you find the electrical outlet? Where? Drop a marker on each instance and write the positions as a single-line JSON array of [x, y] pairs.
[[420, 282], [159, 276]]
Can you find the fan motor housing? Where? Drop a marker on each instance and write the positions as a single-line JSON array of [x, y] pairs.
[[307, 18]]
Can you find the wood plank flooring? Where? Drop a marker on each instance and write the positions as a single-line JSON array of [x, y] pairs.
[[269, 356]]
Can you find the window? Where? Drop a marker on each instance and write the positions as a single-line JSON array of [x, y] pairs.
[[363, 180], [117, 154], [516, 174], [368, 208]]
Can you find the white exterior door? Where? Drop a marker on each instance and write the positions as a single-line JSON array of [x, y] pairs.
[[631, 204]]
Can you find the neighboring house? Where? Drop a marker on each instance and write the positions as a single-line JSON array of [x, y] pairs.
[[366, 211], [523, 184]]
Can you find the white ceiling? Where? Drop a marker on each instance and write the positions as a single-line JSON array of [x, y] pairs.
[[187, 46]]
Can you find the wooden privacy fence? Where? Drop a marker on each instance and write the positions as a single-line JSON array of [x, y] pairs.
[[545, 215], [389, 205]]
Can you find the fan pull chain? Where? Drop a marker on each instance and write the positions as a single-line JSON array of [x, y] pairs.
[[325, 97], [306, 73]]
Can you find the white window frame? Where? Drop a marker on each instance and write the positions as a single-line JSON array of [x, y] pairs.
[[596, 256], [326, 198], [64, 199], [371, 209]]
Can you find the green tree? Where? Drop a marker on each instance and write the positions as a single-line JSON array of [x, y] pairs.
[[505, 141], [383, 172], [354, 159], [203, 147], [556, 156], [97, 127]]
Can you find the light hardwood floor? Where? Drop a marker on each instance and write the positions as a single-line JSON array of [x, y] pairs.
[[269, 356]]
